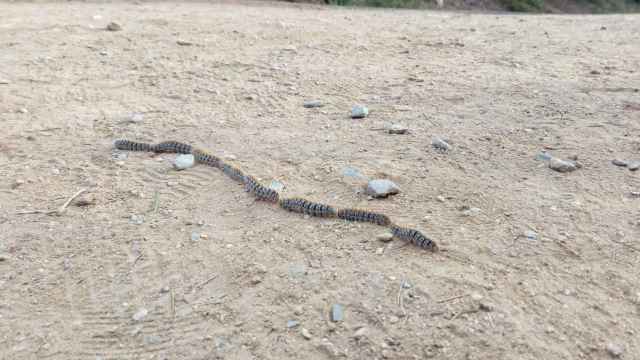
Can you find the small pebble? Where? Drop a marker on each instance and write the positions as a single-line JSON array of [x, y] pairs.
[[256, 280], [360, 333], [562, 165], [152, 339], [306, 334], [292, 323], [531, 235], [487, 307], [359, 112], [276, 185], [471, 211], [381, 188], [136, 219], [543, 156], [183, 161], [3, 258], [337, 313], [23, 111], [184, 43], [618, 162], [397, 129], [114, 26], [440, 144], [17, 183], [312, 104], [614, 350], [634, 165], [195, 236], [140, 314], [165, 289], [441, 198], [385, 237]]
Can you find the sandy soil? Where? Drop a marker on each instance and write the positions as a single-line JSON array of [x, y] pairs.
[[500, 88]]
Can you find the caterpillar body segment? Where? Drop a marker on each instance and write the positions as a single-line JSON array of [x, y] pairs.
[[413, 236], [234, 173], [260, 191], [133, 145], [304, 206], [173, 147], [364, 216], [206, 158]]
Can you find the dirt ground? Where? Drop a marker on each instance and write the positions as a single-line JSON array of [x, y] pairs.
[[118, 276]]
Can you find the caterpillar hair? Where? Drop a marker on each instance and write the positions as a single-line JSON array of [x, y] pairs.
[[413, 236], [133, 145], [311, 208], [173, 147], [364, 215], [206, 158]]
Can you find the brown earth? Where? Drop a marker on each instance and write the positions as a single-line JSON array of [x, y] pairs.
[[500, 88]]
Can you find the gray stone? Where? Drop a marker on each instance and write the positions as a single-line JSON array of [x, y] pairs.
[[136, 219], [152, 339], [276, 185], [385, 237], [634, 165], [381, 188], [183, 161], [337, 312], [353, 173], [398, 129], [614, 350], [440, 144], [292, 323], [195, 236], [531, 235], [165, 289], [297, 270], [543, 156], [562, 166], [306, 334], [114, 26], [618, 162], [470, 212], [312, 104], [359, 112], [486, 306], [3, 258], [140, 314]]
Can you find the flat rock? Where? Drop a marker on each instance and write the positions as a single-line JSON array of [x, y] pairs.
[[634, 165], [306, 334], [292, 323], [337, 312], [114, 26], [140, 314], [380, 188], [183, 161], [618, 162], [543, 156], [398, 129], [385, 237], [312, 104], [440, 144], [359, 112], [562, 166], [614, 350]]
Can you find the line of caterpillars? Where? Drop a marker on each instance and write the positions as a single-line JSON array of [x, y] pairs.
[[263, 193]]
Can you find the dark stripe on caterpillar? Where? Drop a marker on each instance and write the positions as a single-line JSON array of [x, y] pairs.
[[233, 172], [133, 145], [260, 191], [364, 215], [311, 208], [173, 147], [206, 158], [413, 236]]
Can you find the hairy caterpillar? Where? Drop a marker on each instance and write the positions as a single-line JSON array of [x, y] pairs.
[[233, 172], [364, 215], [173, 147], [133, 146], [260, 191], [206, 158], [311, 208], [413, 236]]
